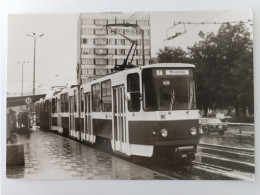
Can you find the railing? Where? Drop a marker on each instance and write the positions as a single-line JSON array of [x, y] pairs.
[[245, 130]]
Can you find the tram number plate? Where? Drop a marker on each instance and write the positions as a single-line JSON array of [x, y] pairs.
[[159, 72], [162, 115], [177, 72]]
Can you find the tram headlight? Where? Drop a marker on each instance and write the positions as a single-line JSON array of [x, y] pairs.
[[164, 132], [193, 131]]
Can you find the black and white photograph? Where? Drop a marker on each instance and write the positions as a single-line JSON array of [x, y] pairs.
[[123, 96], [115, 97]]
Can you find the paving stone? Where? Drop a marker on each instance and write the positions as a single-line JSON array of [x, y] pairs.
[[51, 156]]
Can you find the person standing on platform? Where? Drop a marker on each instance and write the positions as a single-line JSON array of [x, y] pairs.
[[19, 116], [13, 120]]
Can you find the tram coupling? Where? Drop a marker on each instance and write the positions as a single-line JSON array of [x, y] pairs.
[[185, 152]]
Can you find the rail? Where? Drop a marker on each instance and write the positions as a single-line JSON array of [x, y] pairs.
[[227, 147], [242, 124], [245, 130]]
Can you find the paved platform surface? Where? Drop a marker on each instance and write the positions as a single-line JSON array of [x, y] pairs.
[[51, 156]]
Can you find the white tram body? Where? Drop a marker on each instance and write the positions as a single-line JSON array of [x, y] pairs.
[[137, 111]]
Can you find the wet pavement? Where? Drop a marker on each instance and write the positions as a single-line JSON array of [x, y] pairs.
[[230, 138], [51, 156]]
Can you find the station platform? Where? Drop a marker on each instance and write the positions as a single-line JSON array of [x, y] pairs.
[[52, 156]]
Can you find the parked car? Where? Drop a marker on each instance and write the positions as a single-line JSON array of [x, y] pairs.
[[208, 125]]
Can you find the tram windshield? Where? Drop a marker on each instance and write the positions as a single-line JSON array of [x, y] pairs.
[[168, 89]]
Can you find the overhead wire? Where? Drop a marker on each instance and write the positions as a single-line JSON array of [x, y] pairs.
[[192, 27], [40, 82], [205, 22], [201, 23], [133, 16], [208, 20]]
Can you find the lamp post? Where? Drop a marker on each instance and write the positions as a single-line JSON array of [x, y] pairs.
[[23, 62], [34, 36]]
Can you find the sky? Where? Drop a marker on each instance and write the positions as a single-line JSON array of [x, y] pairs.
[[56, 51]]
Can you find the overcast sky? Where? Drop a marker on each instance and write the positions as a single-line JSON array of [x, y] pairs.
[[56, 52]]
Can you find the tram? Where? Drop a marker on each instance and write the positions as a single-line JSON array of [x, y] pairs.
[[142, 111]]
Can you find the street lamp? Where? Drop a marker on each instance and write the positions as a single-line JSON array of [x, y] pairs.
[[23, 62], [34, 45]]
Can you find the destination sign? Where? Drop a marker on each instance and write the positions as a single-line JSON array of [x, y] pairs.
[[177, 72], [171, 72]]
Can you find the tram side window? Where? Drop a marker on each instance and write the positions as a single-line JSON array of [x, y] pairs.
[[66, 103], [58, 106], [46, 105], [106, 96], [133, 87], [62, 102], [56, 103], [53, 103], [82, 100], [95, 97], [75, 102]]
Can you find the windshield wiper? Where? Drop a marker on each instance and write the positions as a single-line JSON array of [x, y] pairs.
[[190, 100], [172, 99]]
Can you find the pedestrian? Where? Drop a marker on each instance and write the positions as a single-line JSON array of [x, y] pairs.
[[26, 119], [19, 116], [13, 120]]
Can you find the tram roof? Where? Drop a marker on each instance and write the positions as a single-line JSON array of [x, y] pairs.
[[169, 65], [161, 65], [132, 70]]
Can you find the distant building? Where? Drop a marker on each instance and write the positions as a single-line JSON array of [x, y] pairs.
[[99, 49]]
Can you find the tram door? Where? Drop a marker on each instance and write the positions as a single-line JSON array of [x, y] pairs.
[[119, 122], [88, 126], [46, 114], [50, 114], [41, 115], [71, 113]]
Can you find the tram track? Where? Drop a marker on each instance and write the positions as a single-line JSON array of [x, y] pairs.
[[240, 159], [229, 148], [188, 171], [196, 171], [200, 170]]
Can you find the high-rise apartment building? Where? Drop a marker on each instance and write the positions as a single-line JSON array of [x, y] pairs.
[[100, 49]]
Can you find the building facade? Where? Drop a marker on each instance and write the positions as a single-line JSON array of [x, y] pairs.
[[100, 49]]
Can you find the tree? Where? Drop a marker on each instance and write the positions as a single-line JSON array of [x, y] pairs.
[[225, 68], [173, 55]]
